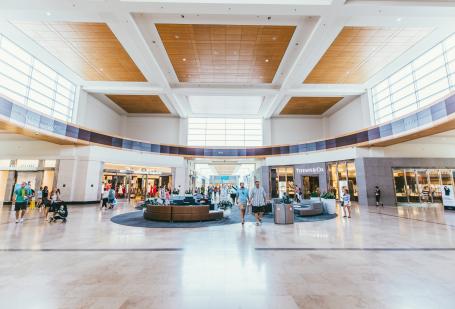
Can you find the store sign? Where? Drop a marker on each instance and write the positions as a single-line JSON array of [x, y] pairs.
[[311, 170], [25, 165], [448, 196]]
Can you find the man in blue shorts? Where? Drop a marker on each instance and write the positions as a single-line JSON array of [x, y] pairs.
[[242, 200]]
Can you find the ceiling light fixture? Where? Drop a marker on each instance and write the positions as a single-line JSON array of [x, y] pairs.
[[184, 59], [399, 19], [176, 36], [48, 13], [101, 69], [266, 60], [274, 38]]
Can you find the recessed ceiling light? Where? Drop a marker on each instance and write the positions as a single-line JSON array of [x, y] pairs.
[[101, 69], [48, 13], [399, 19], [184, 59], [266, 60], [215, 52], [274, 38], [176, 36]]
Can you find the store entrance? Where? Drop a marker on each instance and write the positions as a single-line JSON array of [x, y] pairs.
[[310, 184], [137, 182]]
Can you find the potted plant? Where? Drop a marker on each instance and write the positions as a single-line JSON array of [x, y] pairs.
[[226, 207], [315, 196], [329, 202], [286, 199]]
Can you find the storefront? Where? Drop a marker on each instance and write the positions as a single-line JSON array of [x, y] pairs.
[[39, 173], [422, 185], [311, 179], [341, 175], [282, 181], [135, 181], [314, 179]]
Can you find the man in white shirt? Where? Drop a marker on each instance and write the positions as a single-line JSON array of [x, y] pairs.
[[257, 200]]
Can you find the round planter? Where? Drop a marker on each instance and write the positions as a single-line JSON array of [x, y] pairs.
[[329, 205]]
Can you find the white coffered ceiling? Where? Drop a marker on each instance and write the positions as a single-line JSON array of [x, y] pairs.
[[318, 22]]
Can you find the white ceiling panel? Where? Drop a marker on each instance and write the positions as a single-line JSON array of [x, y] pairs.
[[225, 105]]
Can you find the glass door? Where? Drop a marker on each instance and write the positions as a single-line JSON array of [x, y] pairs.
[[333, 178], [290, 188], [423, 185], [411, 185], [400, 186], [274, 182], [352, 183], [435, 186], [342, 177]]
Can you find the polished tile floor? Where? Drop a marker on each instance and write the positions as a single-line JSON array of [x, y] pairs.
[[381, 258]]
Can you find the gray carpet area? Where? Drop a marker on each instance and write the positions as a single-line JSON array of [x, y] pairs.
[[136, 219]]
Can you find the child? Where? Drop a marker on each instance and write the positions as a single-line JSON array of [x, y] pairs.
[[346, 203], [168, 197]]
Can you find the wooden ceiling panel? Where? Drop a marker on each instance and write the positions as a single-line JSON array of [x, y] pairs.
[[89, 49], [225, 53], [143, 104], [358, 53], [309, 105]]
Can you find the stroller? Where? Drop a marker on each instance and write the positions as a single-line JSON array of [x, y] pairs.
[[60, 212]]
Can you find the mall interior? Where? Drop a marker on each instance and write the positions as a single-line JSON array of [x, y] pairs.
[[228, 153]]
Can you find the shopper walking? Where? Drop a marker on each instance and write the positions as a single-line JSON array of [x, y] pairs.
[[39, 197], [377, 195], [104, 197], [346, 203], [242, 200], [233, 193], [111, 198], [20, 202], [257, 200]]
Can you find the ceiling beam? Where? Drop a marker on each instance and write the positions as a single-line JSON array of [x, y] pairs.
[[124, 26], [327, 90], [134, 88], [226, 91]]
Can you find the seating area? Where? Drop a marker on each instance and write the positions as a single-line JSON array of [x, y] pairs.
[[181, 213], [309, 208]]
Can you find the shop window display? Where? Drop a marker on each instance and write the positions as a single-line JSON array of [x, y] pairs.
[[282, 181], [343, 175], [421, 185], [400, 186]]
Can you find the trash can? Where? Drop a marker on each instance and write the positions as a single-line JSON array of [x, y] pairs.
[[284, 214]]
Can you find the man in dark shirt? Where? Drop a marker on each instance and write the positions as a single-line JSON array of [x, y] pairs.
[[377, 194]]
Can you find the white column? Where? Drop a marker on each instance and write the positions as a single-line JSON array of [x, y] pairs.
[[79, 180], [181, 177]]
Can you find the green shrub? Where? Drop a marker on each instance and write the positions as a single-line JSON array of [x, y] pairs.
[[328, 196]]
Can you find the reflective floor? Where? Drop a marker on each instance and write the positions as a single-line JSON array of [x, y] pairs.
[[381, 258]]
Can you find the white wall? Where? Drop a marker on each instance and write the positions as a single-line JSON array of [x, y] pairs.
[[96, 115], [293, 130], [155, 129], [352, 117]]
